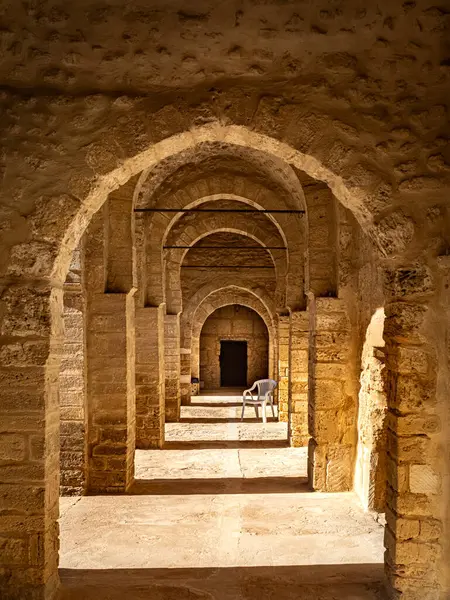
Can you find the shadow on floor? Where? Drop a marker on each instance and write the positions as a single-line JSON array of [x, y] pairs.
[[219, 485], [224, 444], [309, 582], [226, 420], [214, 404]]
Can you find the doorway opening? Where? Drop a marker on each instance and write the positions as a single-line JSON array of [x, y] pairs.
[[233, 363]]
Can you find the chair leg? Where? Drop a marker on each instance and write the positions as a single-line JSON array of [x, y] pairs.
[[273, 408], [263, 408], [256, 411], [243, 409]]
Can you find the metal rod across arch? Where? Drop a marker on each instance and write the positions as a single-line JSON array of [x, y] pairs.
[[288, 211], [226, 247], [227, 267]]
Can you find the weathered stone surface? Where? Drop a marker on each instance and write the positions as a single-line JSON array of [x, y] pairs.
[[265, 105]]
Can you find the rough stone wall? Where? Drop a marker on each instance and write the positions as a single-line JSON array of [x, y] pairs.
[[72, 383], [371, 121], [233, 323]]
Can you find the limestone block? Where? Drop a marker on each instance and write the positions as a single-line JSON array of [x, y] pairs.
[[413, 394], [397, 475], [327, 394], [13, 447], [408, 504], [409, 281], [404, 322], [423, 479], [339, 470], [413, 424], [332, 322], [331, 371], [409, 449]]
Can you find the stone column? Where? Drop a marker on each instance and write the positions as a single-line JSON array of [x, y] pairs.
[[172, 367], [284, 353], [110, 346], [150, 377], [332, 398], [72, 393], [299, 379], [415, 458], [111, 392], [32, 335], [185, 375]]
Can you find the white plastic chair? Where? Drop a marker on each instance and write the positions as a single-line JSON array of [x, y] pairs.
[[265, 395]]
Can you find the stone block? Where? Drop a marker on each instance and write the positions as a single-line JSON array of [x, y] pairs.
[[404, 322], [423, 479], [412, 394], [326, 394], [331, 371], [13, 551], [13, 447], [339, 469], [408, 449]]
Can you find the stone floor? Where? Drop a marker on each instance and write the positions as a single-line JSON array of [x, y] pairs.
[[222, 513]]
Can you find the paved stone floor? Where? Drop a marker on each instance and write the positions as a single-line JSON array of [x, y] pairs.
[[222, 513]]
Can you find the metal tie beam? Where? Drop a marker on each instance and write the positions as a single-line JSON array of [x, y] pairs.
[[226, 267], [226, 247], [287, 211]]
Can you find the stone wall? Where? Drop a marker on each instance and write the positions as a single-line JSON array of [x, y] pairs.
[[357, 120], [233, 323]]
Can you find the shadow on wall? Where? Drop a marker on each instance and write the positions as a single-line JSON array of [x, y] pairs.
[[305, 582], [216, 485]]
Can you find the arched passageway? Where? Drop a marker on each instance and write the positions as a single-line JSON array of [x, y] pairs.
[[234, 348], [114, 185]]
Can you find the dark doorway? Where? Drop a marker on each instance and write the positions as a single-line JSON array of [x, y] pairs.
[[233, 364]]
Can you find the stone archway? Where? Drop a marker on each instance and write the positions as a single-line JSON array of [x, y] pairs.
[[33, 306]]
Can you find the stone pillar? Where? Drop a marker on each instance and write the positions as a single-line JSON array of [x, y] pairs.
[[299, 379], [284, 353], [172, 367], [332, 398], [413, 535], [150, 377], [185, 375], [111, 392], [32, 335], [442, 327], [72, 394]]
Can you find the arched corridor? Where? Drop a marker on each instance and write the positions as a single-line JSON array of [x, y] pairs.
[[184, 185]]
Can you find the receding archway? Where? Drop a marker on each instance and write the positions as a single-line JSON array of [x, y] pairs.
[[233, 323], [48, 301]]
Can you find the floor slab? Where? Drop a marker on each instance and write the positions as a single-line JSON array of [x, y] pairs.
[[229, 522]]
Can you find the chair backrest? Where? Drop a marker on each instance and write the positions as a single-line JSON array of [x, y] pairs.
[[264, 386]]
